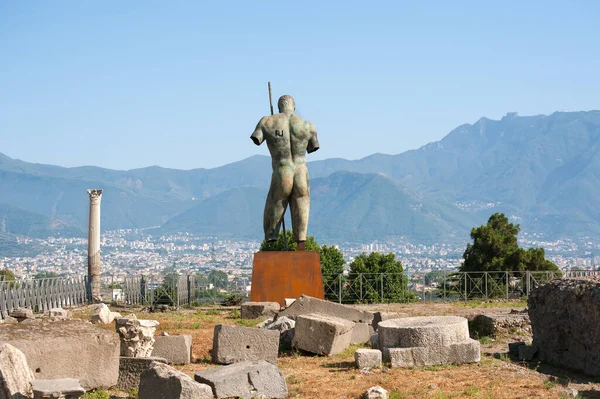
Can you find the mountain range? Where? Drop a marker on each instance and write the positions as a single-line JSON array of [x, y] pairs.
[[543, 171]]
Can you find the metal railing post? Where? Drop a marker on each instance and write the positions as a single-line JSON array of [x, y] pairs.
[[340, 288]]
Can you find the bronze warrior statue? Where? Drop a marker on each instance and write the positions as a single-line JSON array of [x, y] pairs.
[[288, 137]]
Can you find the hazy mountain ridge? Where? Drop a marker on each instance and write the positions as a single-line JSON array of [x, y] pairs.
[[543, 170]]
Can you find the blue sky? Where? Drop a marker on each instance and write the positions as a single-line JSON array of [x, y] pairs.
[[182, 84]]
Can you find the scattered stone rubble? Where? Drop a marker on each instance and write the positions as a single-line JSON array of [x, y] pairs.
[[565, 316], [21, 314], [427, 341], [102, 314], [286, 328]]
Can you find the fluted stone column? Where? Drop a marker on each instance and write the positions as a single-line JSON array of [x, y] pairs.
[[94, 244]]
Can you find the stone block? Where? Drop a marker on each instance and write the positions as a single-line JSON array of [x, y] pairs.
[[367, 358], [286, 328], [429, 331], [527, 353], [68, 388], [9, 320], [491, 325], [102, 314], [374, 341], [232, 344], [378, 317], [564, 321], [160, 381], [59, 313], [322, 334], [513, 348], [15, 374], [245, 380], [177, 349], [131, 368], [361, 333], [21, 314], [67, 349], [255, 310], [307, 305], [376, 392], [457, 353]]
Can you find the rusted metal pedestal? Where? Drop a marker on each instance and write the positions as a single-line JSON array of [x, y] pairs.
[[277, 275]]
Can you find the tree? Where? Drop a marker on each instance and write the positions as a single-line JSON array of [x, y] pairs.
[[377, 278], [332, 267], [279, 245], [495, 248], [46, 274], [7, 275], [218, 278]]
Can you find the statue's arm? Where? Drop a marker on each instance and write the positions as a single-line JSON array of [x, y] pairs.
[[258, 135], [313, 143]]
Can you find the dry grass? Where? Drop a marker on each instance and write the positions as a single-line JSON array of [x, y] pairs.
[[335, 377]]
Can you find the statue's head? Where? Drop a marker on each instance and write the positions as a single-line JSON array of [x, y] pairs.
[[286, 103]]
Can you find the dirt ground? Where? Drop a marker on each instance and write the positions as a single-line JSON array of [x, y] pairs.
[[308, 376]]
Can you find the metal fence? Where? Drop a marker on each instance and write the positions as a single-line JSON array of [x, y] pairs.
[[440, 286], [42, 294], [190, 289]]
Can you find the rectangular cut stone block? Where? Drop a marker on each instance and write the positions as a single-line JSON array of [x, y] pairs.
[[67, 349], [464, 352], [322, 334], [177, 349], [131, 368], [164, 382], [254, 310], [232, 344], [367, 358], [361, 333], [307, 305], [277, 275], [245, 380], [68, 388]]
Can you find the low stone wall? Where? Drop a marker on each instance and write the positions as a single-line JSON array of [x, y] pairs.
[[565, 320]]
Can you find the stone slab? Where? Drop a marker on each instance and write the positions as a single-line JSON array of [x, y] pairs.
[[277, 275], [131, 369], [255, 310], [322, 334], [177, 349], [457, 353], [428, 331], [67, 349], [160, 381], [367, 358], [245, 380], [307, 305], [494, 324], [60, 388], [232, 344], [15, 375]]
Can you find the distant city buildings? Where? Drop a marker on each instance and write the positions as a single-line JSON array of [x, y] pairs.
[[135, 253]]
